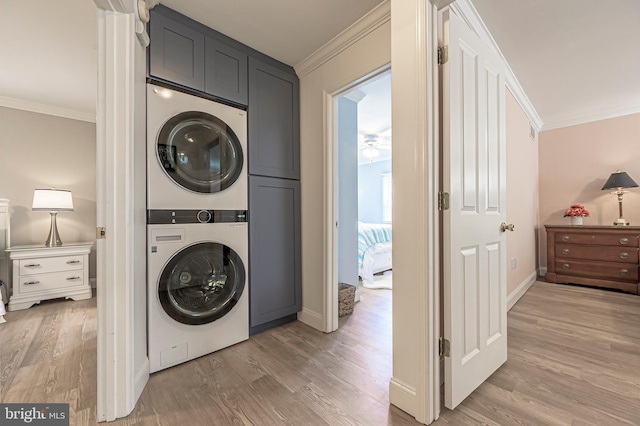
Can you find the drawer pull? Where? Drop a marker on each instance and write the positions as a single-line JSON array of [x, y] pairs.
[[32, 282], [32, 265], [565, 238], [624, 272], [73, 278], [624, 255], [73, 262], [624, 241], [565, 251], [566, 266]]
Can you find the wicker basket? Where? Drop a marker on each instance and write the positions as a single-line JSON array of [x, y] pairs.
[[346, 299]]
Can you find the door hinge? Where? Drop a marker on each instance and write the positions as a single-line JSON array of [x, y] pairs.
[[443, 200], [101, 233], [443, 55], [445, 347]]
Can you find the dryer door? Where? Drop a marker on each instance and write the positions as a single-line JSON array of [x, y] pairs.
[[201, 283], [199, 152]]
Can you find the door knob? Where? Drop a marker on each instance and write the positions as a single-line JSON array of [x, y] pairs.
[[504, 227]]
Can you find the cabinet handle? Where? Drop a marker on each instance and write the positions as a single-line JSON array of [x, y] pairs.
[[32, 265], [32, 282], [624, 255], [624, 241], [73, 278], [565, 251], [624, 272], [565, 238], [72, 262], [566, 266]]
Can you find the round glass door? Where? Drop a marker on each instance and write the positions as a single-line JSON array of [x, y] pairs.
[[199, 152], [201, 283]]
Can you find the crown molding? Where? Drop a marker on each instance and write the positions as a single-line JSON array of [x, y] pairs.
[[355, 96], [588, 118], [380, 15], [47, 109], [469, 14]]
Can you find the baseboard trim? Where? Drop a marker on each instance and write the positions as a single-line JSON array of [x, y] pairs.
[[142, 377], [542, 271], [312, 319], [521, 290], [92, 282], [403, 396]]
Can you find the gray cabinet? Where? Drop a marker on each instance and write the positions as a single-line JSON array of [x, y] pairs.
[[176, 52], [275, 274], [274, 121], [185, 52], [225, 71]]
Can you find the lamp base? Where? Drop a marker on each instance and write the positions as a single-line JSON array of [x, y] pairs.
[[53, 240], [621, 222]]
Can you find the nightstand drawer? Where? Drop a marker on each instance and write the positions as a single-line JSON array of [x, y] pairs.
[[603, 270], [50, 264], [628, 240], [600, 253], [56, 280]]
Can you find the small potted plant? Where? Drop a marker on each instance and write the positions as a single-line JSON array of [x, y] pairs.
[[576, 212]]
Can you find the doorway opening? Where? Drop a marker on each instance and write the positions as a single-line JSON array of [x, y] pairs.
[[363, 176]]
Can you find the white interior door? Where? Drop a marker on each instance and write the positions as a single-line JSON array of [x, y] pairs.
[[474, 247]]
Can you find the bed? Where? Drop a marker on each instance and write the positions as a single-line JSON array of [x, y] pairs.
[[374, 249]]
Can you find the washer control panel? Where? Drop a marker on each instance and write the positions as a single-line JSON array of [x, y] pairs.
[[164, 217]]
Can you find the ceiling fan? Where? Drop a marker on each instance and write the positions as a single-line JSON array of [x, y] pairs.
[[371, 143]]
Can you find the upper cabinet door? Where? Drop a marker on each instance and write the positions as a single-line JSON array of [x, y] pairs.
[[176, 52], [274, 121], [225, 71]]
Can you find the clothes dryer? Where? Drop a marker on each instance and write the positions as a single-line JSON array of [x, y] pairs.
[[196, 152], [197, 283]]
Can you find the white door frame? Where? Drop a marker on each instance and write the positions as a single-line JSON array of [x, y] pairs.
[[415, 121], [119, 381]]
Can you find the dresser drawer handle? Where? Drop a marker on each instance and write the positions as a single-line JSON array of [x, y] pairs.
[[73, 278], [624, 255], [565, 251], [32, 282], [566, 266], [73, 262], [32, 265], [565, 238], [624, 241], [624, 272]]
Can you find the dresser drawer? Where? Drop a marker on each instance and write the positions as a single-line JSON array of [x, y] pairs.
[[617, 239], [593, 252], [604, 270], [56, 280], [50, 264]]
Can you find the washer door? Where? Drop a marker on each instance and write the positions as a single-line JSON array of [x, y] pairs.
[[201, 283], [199, 152]]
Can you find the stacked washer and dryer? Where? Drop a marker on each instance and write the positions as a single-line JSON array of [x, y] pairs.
[[197, 234]]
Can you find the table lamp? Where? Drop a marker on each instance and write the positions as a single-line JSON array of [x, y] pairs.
[[52, 201], [618, 181]]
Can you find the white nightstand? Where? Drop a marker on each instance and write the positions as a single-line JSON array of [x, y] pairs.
[[41, 273]]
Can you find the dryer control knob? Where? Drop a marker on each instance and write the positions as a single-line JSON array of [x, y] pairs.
[[204, 216]]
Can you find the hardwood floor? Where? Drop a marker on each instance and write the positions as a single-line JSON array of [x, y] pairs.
[[574, 359]]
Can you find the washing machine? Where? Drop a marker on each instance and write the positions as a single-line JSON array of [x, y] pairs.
[[198, 296], [196, 152]]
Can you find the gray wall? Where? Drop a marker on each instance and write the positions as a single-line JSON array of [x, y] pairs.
[[370, 190], [348, 191], [44, 151]]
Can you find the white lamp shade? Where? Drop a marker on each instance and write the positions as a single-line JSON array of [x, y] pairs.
[[52, 200]]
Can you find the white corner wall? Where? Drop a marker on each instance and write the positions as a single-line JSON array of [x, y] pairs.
[[369, 53]]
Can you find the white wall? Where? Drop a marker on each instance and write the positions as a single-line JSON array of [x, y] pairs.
[[368, 54], [370, 190], [44, 151]]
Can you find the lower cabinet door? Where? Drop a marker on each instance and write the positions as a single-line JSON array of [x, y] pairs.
[[275, 278]]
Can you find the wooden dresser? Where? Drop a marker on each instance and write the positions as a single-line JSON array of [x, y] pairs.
[[599, 256]]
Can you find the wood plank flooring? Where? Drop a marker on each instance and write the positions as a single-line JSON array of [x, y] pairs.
[[574, 359]]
